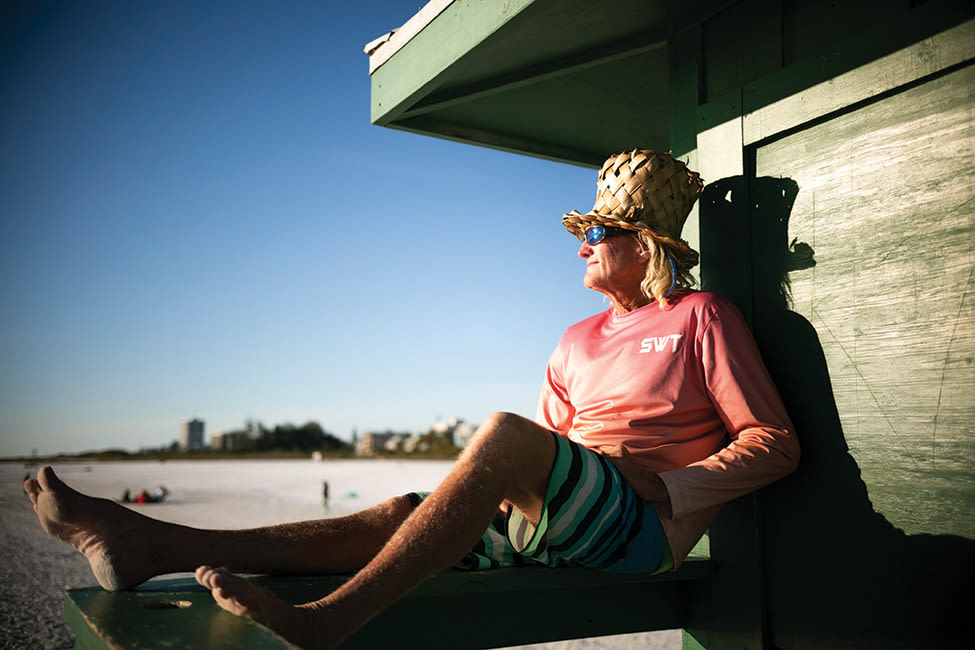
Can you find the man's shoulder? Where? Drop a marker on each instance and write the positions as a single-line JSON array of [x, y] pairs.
[[703, 308], [703, 300], [707, 308]]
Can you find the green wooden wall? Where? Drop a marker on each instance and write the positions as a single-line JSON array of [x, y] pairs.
[[886, 201], [839, 215]]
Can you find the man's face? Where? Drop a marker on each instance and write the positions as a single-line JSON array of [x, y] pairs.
[[615, 266]]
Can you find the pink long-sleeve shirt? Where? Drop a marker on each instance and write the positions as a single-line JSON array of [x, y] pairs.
[[685, 390]]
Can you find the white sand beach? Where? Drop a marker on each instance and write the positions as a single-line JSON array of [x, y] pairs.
[[35, 569]]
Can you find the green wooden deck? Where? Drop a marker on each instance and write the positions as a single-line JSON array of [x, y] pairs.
[[456, 609]]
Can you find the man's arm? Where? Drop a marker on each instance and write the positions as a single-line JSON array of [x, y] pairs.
[[763, 446], [646, 484], [554, 411]]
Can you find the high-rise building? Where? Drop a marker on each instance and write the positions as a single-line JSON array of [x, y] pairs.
[[191, 434]]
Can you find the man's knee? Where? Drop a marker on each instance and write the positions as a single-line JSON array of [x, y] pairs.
[[511, 438], [506, 428], [519, 450], [502, 421]]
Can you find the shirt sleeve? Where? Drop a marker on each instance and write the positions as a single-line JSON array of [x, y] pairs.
[[554, 412], [763, 445]]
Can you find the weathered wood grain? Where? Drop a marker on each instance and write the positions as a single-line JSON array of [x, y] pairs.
[[887, 202]]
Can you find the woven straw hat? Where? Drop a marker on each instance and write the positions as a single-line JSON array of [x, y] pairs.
[[641, 190]]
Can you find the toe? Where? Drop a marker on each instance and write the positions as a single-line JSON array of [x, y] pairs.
[[47, 478], [204, 575], [32, 488]]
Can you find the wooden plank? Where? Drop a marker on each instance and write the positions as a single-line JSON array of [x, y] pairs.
[[174, 613], [723, 237], [874, 362], [891, 220], [421, 62], [928, 57], [456, 609], [392, 42], [630, 52], [740, 44], [501, 141]]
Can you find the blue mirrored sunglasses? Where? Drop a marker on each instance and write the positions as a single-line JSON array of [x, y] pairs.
[[595, 234]]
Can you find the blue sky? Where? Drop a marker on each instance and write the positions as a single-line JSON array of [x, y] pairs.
[[198, 220]]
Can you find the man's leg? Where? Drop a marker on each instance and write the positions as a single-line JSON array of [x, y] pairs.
[[509, 458], [126, 548]]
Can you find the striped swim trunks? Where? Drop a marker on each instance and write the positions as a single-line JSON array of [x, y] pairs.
[[591, 517]]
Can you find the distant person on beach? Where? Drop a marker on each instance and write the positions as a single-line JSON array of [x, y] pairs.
[[159, 494], [652, 414], [156, 496]]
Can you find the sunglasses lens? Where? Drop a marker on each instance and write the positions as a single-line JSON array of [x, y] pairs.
[[595, 234]]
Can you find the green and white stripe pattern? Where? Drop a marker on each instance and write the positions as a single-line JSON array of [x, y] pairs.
[[591, 518]]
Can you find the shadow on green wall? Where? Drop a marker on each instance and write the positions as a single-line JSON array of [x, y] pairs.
[[836, 573]]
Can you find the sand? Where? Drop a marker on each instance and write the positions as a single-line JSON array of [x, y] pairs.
[[36, 569]]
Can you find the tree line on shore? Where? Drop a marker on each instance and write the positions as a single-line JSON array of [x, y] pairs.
[[306, 438], [283, 440]]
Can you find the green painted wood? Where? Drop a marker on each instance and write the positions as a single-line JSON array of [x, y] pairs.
[[616, 55], [873, 360], [765, 119], [737, 59], [537, 77], [740, 44], [173, 613], [453, 610], [526, 84], [683, 78], [689, 642], [421, 63], [891, 219]]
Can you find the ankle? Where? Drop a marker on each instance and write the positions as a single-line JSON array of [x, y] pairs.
[[322, 628]]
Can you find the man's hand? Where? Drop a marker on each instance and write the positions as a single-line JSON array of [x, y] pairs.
[[647, 485]]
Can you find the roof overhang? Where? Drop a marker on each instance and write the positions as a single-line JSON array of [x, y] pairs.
[[522, 78]]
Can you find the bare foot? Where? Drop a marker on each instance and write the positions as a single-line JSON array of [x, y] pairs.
[[297, 624], [115, 540]]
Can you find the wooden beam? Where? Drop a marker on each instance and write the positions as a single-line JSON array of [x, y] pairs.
[[500, 141], [545, 71], [423, 63]]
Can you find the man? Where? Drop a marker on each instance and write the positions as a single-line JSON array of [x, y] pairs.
[[653, 414]]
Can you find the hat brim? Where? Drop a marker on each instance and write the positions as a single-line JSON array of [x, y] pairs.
[[577, 223]]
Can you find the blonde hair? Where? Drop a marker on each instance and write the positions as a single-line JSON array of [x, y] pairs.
[[660, 278]]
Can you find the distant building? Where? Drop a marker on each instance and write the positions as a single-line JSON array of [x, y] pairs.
[[228, 440], [371, 443], [463, 433], [191, 434], [455, 430]]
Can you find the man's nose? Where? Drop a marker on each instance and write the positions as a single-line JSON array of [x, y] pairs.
[[585, 250]]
